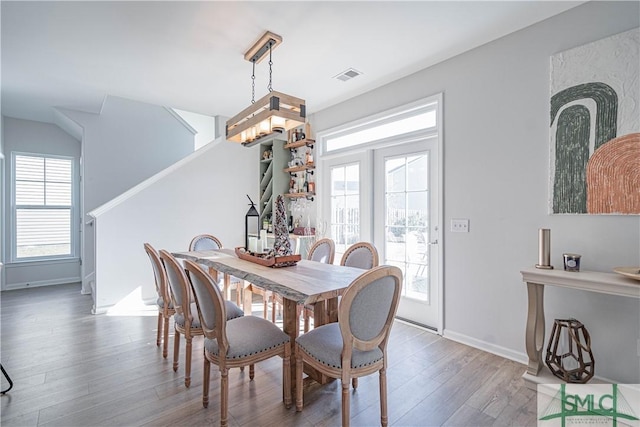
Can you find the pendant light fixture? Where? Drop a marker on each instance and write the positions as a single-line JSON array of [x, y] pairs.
[[271, 115]]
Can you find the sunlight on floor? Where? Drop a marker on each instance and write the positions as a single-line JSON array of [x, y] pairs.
[[133, 305]]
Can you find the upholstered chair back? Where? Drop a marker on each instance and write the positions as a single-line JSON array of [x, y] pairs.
[[360, 255], [323, 250]]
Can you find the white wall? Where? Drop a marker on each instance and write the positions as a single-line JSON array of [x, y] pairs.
[[496, 173], [204, 125], [125, 144], [42, 138], [203, 193]]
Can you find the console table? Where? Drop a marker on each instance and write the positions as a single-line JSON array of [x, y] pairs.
[[536, 279]]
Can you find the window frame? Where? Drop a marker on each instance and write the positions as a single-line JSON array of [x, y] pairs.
[[73, 209], [403, 112]]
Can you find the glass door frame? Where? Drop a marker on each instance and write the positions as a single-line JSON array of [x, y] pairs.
[[366, 151], [405, 147]]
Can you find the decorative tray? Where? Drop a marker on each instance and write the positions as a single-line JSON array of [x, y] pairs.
[[632, 272], [267, 261]]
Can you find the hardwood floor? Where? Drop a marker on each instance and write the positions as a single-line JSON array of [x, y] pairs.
[[72, 368]]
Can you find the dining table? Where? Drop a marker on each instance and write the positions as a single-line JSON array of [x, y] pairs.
[[305, 283]]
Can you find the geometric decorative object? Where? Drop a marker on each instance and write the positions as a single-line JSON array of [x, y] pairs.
[[569, 355], [594, 102], [273, 114]]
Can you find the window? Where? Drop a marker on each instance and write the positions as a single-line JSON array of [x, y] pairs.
[[43, 206], [421, 118]]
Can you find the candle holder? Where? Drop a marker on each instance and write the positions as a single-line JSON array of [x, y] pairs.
[[251, 213], [544, 249]]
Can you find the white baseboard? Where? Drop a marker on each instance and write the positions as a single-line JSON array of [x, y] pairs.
[[488, 347], [88, 284]]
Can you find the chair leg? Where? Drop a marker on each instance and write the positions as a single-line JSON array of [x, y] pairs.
[[165, 343], [176, 350], [384, 420], [159, 328], [224, 396], [273, 308], [354, 383], [286, 373], [205, 382], [265, 303], [299, 368], [187, 363], [252, 371], [239, 294], [345, 404]]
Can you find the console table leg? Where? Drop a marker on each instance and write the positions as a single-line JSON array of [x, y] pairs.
[[535, 327]]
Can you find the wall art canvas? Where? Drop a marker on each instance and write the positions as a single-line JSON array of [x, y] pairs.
[[595, 127]]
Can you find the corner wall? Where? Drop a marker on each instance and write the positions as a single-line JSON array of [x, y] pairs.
[[496, 173], [128, 142], [203, 193], [41, 138]]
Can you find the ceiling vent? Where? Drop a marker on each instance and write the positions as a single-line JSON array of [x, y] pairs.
[[347, 74]]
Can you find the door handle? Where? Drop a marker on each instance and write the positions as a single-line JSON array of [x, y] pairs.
[[435, 242]]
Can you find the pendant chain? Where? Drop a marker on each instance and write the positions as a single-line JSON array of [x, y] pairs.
[[270, 71], [253, 84]]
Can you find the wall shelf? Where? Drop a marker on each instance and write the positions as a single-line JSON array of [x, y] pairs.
[[307, 195], [272, 181], [300, 168], [301, 143]]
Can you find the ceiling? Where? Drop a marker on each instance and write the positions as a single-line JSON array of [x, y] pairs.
[[190, 55]]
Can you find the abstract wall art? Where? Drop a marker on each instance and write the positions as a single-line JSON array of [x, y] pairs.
[[595, 127]]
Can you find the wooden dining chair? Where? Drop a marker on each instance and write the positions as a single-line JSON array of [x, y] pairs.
[[163, 301], [269, 297], [356, 345], [206, 242], [186, 319], [360, 255], [323, 250], [234, 343]]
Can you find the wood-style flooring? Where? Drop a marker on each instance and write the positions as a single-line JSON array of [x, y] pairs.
[[72, 368]]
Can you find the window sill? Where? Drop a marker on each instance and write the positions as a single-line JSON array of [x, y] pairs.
[[42, 261]]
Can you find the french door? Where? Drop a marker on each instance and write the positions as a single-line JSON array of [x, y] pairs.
[[406, 224], [389, 196]]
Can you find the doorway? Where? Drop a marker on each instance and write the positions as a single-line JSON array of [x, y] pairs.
[[382, 183], [406, 224]]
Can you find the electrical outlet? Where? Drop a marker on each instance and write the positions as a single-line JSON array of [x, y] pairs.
[[460, 225]]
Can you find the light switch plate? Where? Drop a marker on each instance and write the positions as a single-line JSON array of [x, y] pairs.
[[460, 225]]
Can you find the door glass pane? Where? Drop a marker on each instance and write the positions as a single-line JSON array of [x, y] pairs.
[[406, 228], [345, 207], [418, 166]]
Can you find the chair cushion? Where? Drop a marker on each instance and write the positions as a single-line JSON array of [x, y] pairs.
[[233, 312], [195, 322], [160, 303], [248, 335], [324, 344]]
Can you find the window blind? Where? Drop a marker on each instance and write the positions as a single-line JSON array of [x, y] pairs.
[[43, 206]]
